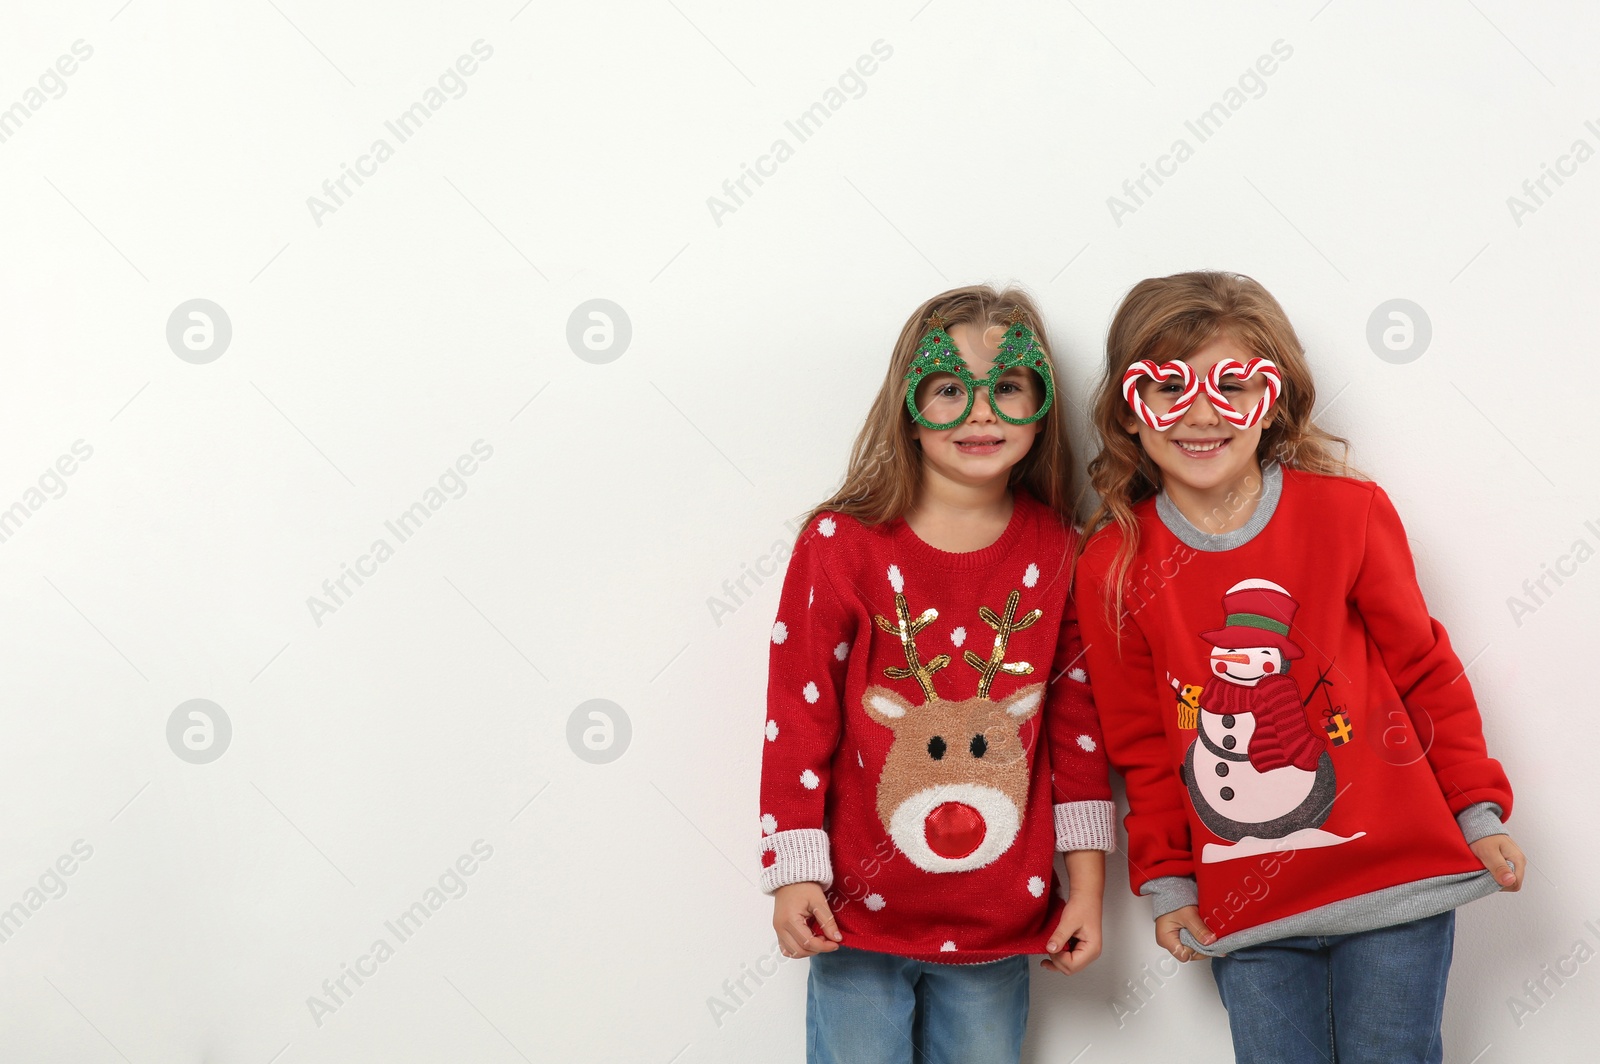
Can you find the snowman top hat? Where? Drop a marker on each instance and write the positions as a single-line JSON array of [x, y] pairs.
[[1259, 613]]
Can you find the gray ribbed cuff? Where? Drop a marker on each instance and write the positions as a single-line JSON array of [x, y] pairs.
[[1086, 826], [801, 857], [1480, 821], [1168, 893]]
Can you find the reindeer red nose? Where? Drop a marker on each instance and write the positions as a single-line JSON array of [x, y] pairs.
[[954, 829]]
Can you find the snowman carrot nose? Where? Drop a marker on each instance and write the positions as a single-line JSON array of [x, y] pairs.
[[1242, 659]]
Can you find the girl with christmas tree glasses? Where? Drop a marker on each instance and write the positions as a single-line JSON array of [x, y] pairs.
[[940, 388], [1310, 794], [930, 743]]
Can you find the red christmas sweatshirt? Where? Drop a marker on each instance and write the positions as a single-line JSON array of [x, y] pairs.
[[1301, 746], [920, 704]]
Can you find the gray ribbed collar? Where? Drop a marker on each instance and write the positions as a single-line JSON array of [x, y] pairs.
[[1271, 489]]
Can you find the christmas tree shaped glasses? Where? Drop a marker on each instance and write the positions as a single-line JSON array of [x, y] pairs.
[[940, 389]]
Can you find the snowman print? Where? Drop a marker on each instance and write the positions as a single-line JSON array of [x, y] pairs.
[[1257, 772]]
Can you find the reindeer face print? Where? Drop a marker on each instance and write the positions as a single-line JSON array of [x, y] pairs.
[[955, 782]]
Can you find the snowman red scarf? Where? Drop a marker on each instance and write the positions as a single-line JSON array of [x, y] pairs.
[[1283, 735]]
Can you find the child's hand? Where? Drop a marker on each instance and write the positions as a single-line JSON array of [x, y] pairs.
[[792, 906], [1504, 858], [1075, 943], [1168, 925]]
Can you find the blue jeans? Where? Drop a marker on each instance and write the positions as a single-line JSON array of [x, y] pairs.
[[1371, 996], [878, 1008]]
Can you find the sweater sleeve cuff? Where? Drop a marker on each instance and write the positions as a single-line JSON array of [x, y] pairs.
[[796, 856], [1480, 820], [1085, 826], [1171, 892]]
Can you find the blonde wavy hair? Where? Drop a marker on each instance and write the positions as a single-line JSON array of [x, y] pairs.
[[885, 470], [1167, 319]]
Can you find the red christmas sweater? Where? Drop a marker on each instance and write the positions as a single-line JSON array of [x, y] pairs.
[[1296, 734], [920, 704]]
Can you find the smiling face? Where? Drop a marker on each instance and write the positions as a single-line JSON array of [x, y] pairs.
[[1247, 666], [982, 446], [1203, 452]]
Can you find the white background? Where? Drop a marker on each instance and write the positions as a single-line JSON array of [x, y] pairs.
[[430, 310]]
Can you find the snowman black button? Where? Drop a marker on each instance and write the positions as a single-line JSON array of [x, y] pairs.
[[1227, 794], [1227, 720], [1222, 768], [1229, 742]]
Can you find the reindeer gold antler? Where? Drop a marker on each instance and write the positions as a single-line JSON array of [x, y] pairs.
[[1003, 627], [907, 630]]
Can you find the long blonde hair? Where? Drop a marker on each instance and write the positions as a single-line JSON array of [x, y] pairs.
[[1167, 319], [885, 470]]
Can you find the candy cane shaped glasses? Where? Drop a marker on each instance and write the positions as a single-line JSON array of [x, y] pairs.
[[1241, 392]]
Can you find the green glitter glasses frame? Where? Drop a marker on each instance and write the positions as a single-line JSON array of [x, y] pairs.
[[938, 358]]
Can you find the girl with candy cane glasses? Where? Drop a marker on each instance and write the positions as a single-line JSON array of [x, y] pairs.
[[1309, 789]]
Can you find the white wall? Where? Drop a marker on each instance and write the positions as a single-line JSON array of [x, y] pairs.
[[373, 346]]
